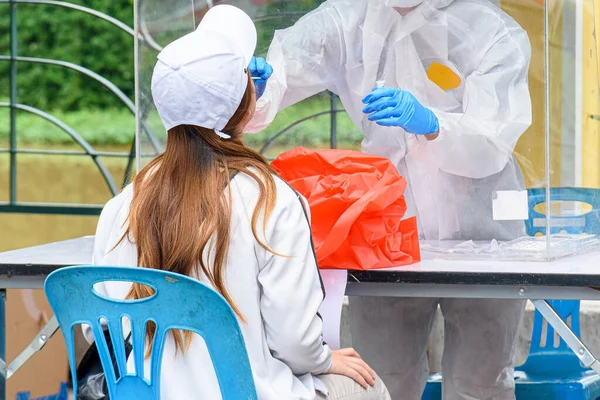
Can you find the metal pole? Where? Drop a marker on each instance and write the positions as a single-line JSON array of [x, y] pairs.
[[575, 344], [2, 341], [547, 126], [333, 128], [136, 72], [13, 101], [130, 162]]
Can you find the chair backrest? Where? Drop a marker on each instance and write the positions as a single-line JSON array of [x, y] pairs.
[[549, 355], [586, 223], [545, 342], [178, 302]]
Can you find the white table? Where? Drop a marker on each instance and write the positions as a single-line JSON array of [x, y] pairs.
[[573, 278], [570, 279]]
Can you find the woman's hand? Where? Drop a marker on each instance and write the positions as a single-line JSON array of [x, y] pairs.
[[347, 362]]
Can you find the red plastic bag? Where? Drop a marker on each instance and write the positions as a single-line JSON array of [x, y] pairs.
[[357, 205]]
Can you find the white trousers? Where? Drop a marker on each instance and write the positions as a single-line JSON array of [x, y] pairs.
[[480, 338], [343, 388]]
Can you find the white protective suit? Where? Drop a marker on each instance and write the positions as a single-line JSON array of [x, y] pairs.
[[345, 46]]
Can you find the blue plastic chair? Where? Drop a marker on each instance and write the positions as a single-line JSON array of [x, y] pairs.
[[555, 372], [61, 395], [551, 373], [178, 302], [433, 388], [587, 223]]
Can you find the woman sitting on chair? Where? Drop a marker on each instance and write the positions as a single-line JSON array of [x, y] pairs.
[[212, 208]]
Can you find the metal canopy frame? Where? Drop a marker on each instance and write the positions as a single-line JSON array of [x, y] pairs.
[[13, 205]]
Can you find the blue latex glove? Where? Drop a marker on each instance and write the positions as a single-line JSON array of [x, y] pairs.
[[260, 68], [395, 107]]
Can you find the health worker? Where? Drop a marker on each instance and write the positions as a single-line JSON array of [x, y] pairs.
[[453, 102]]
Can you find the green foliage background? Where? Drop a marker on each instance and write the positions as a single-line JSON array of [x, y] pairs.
[[68, 35], [57, 33]]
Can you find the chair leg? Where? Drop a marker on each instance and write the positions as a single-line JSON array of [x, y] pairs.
[[581, 351], [3, 343]]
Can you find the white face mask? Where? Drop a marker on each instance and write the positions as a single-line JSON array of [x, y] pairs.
[[402, 3]]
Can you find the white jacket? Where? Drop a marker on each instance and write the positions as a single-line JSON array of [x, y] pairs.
[[278, 296]]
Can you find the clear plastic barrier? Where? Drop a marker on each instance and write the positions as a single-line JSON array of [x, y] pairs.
[[159, 22], [496, 208], [162, 21], [559, 154]]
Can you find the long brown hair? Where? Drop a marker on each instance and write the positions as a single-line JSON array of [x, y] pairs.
[[181, 204]]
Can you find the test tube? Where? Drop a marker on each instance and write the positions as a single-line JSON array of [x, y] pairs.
[[379, 84]]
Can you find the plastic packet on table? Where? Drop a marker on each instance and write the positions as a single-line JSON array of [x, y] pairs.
[[464, 248], [534, 247], [560, 244], [357, 208]]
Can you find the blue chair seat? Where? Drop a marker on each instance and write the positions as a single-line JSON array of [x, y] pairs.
[[433, 389], [61, 395], [587, 386]]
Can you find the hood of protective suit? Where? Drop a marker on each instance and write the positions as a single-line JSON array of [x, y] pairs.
[[379, 20], [379, 23]]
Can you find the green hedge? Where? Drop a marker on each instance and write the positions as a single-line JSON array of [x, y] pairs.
[[116, 127], [68, 35], [62, 34]]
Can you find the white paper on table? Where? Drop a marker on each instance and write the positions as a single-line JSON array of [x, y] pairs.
[[510, 205], [334, 281]]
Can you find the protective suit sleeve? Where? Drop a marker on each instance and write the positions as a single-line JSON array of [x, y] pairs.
[[291, 288], [496, 111], [302, 57]]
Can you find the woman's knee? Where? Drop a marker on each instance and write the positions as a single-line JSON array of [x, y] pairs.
[[342, 387]]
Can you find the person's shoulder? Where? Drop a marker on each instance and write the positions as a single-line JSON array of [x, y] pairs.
[[248, 191], [346, 5], [120, 199], [481, 11], [488, 24], [249, 186], [111, 224], [287, 195], [115, 206], [336, 11], [349, 10]]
